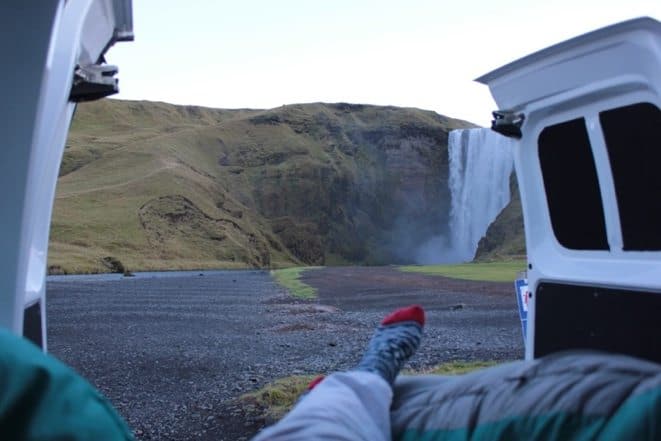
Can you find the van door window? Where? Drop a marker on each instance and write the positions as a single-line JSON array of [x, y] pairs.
[[633, 139], [571, 185]]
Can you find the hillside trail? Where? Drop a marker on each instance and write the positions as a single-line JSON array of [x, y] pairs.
[[167, 165]]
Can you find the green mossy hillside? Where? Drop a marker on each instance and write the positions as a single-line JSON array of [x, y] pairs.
[[158, 186]]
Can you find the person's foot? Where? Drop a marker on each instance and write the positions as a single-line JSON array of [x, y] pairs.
[[394, 342]]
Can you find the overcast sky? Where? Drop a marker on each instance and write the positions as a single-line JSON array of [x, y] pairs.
[[415, 53]]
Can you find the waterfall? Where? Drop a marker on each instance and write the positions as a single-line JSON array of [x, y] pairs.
[[481, 163]]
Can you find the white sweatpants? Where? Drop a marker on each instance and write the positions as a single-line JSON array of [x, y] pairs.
[[347, 406]]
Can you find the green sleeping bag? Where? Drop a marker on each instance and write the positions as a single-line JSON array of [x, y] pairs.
[[564, 396], [42, 399]]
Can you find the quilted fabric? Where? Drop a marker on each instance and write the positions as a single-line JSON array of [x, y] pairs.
[[570, 395]]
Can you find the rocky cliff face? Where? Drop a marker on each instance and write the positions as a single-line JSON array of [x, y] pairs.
[[352, 183], [505, 237], [313, 184]]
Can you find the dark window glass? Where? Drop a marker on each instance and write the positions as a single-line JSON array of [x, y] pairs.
[[607, 319], [32, 324], [572, 188], [633, 139]]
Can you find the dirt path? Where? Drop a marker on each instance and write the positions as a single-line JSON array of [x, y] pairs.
[[174, 352], [167, 165]]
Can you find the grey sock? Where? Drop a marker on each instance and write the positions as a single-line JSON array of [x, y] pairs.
[[391, 346]]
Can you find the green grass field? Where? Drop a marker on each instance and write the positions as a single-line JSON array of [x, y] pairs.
[[456, 368], [487, 271], [290, 278]]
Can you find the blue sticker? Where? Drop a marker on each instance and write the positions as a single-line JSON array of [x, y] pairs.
[[521, 290]]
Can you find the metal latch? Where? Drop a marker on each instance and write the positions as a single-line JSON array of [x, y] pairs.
[[93, 82], [508, 123]]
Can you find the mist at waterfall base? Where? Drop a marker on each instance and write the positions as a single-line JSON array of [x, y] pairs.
[[480, 163]]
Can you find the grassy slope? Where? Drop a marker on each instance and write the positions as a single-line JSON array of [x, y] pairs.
[[290, 278], [172, 187], [121, 156], [504, 271]]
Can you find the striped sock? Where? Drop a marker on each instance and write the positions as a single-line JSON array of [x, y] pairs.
[[394, 342]]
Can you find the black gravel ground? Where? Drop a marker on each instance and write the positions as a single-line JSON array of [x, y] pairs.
[[173, 352]]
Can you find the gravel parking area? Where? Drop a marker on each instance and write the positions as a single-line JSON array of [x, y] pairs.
[[173, 351]]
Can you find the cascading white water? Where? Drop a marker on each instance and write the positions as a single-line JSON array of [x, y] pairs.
[[481, 163]]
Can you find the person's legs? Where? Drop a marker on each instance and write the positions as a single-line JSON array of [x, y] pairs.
[[355, 405], [344, 406]]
